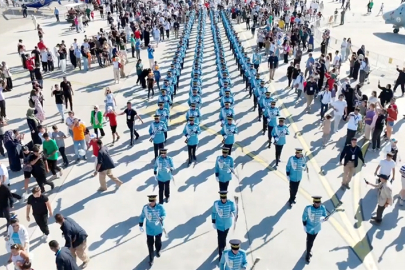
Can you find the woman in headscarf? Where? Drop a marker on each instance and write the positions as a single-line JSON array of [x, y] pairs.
[[12, 142], [144, 74], [39, 110], [33, 124], [356, 67]]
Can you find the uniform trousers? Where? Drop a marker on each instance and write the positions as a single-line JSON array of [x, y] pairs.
[[191, 153], [156, 147], [264, 120], [293, 190], [223, 186], [279, 149], [164, 187], [153, 240], [229, 146], [222, 241], [310, 242], [269, 134]]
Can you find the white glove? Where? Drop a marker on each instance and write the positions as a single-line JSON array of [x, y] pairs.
[[216, 178], [214, 226], [288, 178], [305, 228], [322, 219], [141, 229]]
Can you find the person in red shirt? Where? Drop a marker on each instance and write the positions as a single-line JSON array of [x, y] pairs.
[[392, 114], [94, 145], [30, 63], [112, 117], [41, 45], [137, 33]]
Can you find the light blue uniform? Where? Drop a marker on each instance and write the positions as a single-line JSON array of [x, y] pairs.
[[312, 217], [228, 132], [295, 167], [224, 99], [271, 114], [164, 115], [194, 113], [222, 214], [231, 261], [191, 132], [164, 167], [153, 215], [279, 133], [195, 99], [225, 113], [223, 89], [166, 100], [265, 102], [156, 131], [223, 168]]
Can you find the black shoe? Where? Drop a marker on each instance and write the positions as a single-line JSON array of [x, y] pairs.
[[158, 254], [137, 137], [308, 259], [77, 160], [150, 263], [167, 199]]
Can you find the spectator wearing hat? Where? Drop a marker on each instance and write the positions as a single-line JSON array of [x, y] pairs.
[[386, 166], [384, 198], [351, 154]]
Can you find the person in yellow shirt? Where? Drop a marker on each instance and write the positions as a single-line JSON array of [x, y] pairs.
[[79, 141], [281, 24]]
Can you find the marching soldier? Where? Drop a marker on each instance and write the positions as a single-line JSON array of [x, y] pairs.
[[193, 112], [157, 131], [278, 133], [227, 98], [312, 218], [195, 98], [225, 89], [233, 258], [228, 132], [271, 113], [223, 212], [154, 214], [295, 166], [225, 113], [191, 131], [167, 101], [264, 103], [224, 167], [164, 116], [258, 94], [163, 172]]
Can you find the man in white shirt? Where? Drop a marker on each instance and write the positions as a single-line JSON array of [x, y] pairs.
[[340, 109], [387, 167], [299, 85], [336, 60], [326, 99], [352, 125]]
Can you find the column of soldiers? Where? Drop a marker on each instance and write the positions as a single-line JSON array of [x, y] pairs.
[[314, 214], [154, 213], [224, 211], [193, 116]]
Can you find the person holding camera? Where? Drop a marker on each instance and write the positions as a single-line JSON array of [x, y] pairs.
[[384, 197]]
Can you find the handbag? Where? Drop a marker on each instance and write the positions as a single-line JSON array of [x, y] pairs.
[[27, 168]]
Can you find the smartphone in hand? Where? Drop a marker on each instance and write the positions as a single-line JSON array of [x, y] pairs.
[[366, 181]]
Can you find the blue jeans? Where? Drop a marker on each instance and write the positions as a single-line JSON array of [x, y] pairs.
[[324, 109], [85, 63], [60, 109], [79, 145]]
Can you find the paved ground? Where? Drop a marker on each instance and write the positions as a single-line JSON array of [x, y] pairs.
[[369, 30], [267, 229]]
